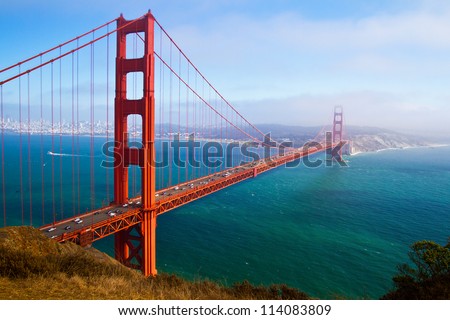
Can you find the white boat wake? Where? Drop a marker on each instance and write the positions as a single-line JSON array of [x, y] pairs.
[[55, 154]]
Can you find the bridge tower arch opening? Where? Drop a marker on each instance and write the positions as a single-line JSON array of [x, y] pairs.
[[136, 246]]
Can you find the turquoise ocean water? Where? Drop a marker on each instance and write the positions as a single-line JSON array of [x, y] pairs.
[[331, 232]]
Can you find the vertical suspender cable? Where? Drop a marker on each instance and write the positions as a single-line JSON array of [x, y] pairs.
[[236, 137], [3, 157], [170, 120], [30, 191], [186, 169], [194, 121], [78, 129], [227, 135], [210, 125], [20, 150], [73, 135], [60, 141], [204, 136], [179, 117], [242, 139], [221, 135], [202, 129], [217, 135], [107, 110], [161, 116], [53, 149], [42, 147], [92, 128]]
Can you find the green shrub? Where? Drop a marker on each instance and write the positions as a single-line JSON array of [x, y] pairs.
[[430, 276]]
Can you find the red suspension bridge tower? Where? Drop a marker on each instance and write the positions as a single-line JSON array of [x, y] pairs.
[[136, 246]]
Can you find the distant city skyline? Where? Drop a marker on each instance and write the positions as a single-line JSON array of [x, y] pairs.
[[286, 62]]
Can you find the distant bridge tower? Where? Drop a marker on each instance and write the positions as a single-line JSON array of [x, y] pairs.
[[338, 124], [336, 137], [135, 246]]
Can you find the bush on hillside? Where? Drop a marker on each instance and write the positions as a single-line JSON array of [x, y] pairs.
[[429, 279]]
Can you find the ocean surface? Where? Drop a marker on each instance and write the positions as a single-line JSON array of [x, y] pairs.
[[333, 232]]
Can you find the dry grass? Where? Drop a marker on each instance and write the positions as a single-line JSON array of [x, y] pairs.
[[34, 267]]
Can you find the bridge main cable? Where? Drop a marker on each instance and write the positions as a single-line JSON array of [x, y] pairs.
[[62, 55], [215, 90], [58, 46], [208, 104]]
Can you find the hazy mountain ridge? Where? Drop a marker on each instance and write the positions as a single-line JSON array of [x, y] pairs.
[[363, 139], [385, 140]]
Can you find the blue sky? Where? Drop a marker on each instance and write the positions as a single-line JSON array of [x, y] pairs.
[[286, 61]]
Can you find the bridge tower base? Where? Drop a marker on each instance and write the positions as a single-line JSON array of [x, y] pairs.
[[136, 246]]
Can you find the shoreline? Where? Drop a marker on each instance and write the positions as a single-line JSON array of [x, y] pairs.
[[401, 148]]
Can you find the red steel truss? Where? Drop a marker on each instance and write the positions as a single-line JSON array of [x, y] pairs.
[[123, 224]]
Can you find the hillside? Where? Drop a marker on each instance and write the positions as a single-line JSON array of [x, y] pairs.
[[385, 140], [364, 139], [35, 267], [369, 139]]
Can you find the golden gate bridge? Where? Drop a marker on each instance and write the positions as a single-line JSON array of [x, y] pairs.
[[63, 105]]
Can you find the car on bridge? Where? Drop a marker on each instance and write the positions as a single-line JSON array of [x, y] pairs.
[[51, 229]]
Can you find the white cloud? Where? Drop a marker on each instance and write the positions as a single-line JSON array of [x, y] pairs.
[[287, 46]]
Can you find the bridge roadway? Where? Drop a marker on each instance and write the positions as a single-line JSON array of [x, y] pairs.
[[90, 226]]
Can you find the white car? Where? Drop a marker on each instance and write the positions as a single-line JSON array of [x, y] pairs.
[[125, 205], [79, 221], [76, 220], [112, 214], [51, 229]]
